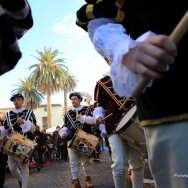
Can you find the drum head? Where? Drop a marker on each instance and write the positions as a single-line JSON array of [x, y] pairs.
[[126, 118]]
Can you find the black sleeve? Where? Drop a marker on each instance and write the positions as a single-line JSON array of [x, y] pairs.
[[65, 122], [94, 9], [33, 118]]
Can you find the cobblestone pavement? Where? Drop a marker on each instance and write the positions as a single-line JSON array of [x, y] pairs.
[[58, 175]]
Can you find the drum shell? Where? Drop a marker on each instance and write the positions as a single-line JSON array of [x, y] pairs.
[[15, 140], [88, 141], [134, 135], [131, 131]]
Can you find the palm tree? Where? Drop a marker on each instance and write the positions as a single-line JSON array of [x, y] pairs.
[[69, 84], [33, 98], [48, 75]]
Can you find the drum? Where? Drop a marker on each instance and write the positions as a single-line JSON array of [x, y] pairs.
[[84, 142], [131, 131], [18, 147]]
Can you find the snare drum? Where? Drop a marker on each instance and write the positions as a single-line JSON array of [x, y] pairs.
[[131, 131], [18, 147], [84, 142]]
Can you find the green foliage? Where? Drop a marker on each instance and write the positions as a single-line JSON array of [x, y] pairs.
[[33, 97]]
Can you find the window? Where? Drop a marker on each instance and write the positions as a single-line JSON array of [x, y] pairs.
[[45, 122], [45, 109]]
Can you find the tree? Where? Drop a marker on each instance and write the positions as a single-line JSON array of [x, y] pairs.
[[69, 84], [33, 98], [48, 75]]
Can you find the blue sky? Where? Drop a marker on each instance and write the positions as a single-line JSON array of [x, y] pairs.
[[54, 26]]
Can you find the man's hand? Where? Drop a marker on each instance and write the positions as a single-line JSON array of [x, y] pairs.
[[79, 118], [20, 120], [150, 58], [95, 126], [64, 135], [103, 134], [99, 120]]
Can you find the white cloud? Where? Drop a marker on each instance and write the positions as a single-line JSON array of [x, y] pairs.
[[67, 26]]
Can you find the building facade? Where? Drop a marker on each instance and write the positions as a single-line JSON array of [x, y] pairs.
[[41, 115]]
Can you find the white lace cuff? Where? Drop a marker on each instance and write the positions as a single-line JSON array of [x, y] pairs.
[[105, 34], [63, 131], [99, 112], [112, 42], [102, 128], [123, 79]]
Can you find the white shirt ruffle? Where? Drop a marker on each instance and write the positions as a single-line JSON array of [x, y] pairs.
[[87, 119], [27, 126], [99, 112]]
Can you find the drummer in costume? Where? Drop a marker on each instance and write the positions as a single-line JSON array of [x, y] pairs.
[[23, 121], [3, 160], [128, 32], [107, 102], [79, 117]]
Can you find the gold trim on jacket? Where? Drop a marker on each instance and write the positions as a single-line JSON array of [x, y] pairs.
[[121, 103], [159, 121]]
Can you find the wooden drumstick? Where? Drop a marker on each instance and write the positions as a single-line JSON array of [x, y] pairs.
[[176, 36], [106, 117], [17, 121]]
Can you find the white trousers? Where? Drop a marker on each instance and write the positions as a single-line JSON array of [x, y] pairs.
[[76, 159], [123, 157], [13, 167], [168, 154]]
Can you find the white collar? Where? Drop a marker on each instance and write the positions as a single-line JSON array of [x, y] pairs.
[[77, 109], [20, 110]]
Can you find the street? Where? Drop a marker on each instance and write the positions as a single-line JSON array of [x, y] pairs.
[[58, 175]]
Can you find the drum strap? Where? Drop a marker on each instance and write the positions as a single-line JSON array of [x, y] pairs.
[[28, 115], [71, 121], [9, 123]]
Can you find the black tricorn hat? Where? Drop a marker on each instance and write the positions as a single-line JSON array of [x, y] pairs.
[[17, 95], [75, 94]]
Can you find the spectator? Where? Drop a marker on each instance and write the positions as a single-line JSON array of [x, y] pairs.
[[56, 139]]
